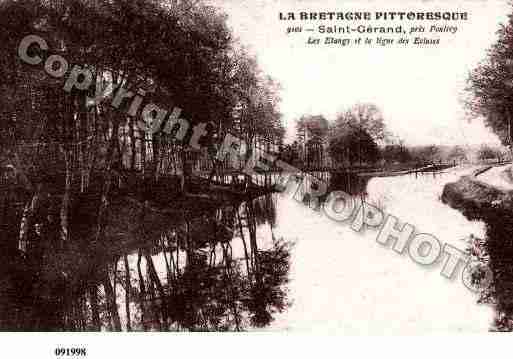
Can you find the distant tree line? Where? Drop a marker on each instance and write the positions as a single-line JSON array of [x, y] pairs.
[[358, 137]]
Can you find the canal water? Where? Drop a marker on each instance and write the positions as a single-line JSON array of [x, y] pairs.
[[269, 264], [346, 282]]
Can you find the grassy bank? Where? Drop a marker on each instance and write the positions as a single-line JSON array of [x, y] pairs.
[[480, 201]]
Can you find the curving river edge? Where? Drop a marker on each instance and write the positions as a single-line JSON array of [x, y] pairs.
[[477, 200]]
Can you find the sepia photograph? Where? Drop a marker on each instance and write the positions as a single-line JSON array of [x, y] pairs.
[[261, 166]]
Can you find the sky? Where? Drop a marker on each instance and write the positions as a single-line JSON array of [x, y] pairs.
[[419, 89]]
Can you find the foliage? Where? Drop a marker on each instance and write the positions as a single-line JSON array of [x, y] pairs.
[[78, 161], [429, 153], [355, 134], [490, 85], [313, 128], [354, 146], [311, 135], [487, 152], [396, 153], [362, 116], [255, 101], [457, 153]]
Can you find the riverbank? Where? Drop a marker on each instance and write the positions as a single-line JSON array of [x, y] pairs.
[[479, 200], [474, 198]]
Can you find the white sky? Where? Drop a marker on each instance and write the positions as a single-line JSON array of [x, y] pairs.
[[418, 88]]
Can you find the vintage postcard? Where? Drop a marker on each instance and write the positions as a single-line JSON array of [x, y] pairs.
[[289, 166]]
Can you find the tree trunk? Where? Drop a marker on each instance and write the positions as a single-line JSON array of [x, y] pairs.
[[155, 279], [66, 198], [93, 297], [111, 302], [102, 211], [142, 291], [133, 149], [127, 293], [246, 254]]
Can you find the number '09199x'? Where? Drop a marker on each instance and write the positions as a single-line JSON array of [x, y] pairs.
[[70, 352]]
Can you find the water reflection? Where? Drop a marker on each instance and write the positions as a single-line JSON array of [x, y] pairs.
[[349, 182], [201, 274]]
